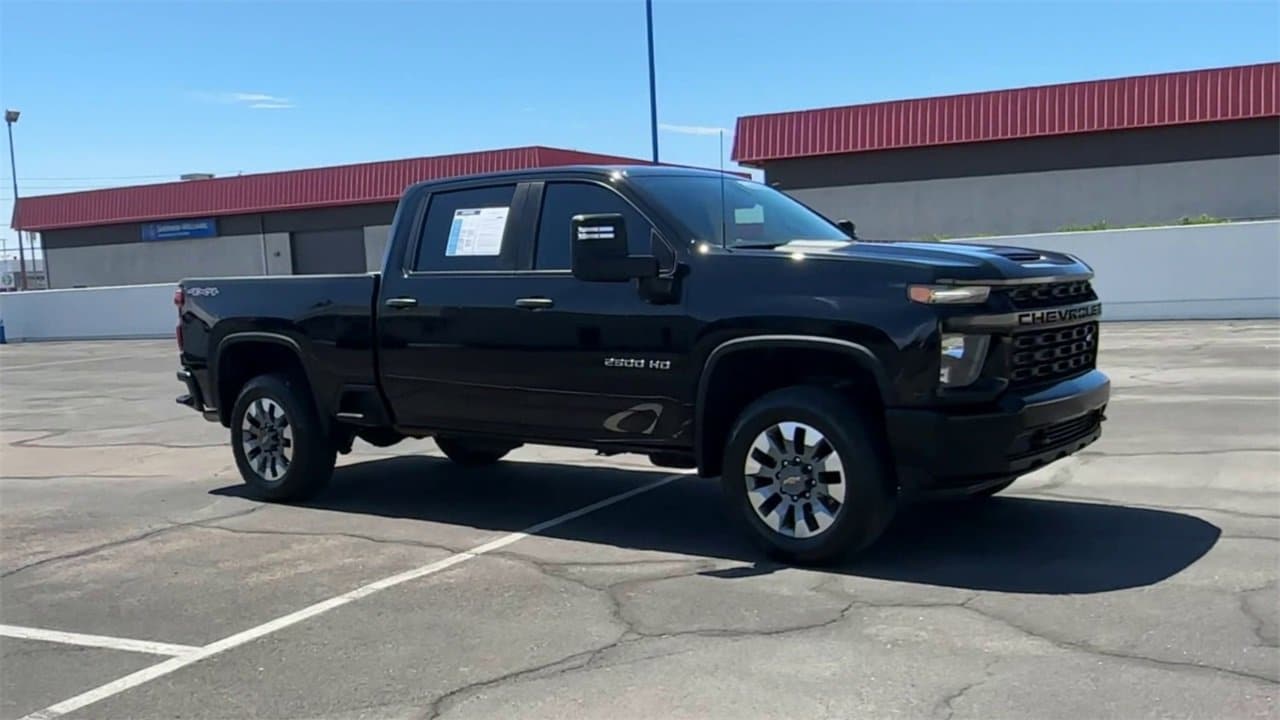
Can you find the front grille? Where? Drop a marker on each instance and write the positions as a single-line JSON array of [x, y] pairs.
[[1057, 435], [1049, 294], [1042, 356], [1067, 431]]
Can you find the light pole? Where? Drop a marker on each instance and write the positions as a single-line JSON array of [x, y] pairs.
[[11, 117], [653, 83]]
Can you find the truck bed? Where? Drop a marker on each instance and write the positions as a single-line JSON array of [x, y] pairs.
[[330, 318]]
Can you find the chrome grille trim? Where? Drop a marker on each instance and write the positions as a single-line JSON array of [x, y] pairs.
[[1040, 356]]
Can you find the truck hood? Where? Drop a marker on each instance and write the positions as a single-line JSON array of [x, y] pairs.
[[952, 261]]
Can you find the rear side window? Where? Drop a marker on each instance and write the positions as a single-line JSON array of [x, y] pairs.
[[561, 201], [468, 230]]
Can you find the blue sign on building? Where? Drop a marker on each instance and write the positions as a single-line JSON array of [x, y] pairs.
[[176, 229]]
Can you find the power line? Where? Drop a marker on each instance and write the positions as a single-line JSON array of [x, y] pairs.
[[99, 177], [68, 188], [88, 177], [39, 192]]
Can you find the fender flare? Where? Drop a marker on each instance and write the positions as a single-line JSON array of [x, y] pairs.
[[236, 338], [860, 354]]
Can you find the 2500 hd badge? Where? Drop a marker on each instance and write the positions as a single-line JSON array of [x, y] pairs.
[[1058, 315], [624, 362]]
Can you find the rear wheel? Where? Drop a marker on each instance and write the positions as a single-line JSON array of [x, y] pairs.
[[804, 471], [472, 452], [280, 446]]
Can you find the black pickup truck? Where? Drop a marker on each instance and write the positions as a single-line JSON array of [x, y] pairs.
[[700, 319]]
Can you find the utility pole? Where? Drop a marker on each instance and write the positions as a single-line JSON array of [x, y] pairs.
[[11, 117], [653, 82]]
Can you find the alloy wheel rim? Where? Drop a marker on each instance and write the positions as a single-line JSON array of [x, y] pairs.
[[795, 480], [267, 439]]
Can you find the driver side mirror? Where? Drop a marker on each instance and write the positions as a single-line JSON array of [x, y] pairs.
[[848, 228], [600, 250]]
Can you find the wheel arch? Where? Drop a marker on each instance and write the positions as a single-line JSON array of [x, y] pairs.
[[718, 402], [241, 356]]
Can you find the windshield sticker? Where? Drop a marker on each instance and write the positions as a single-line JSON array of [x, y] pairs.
[[477, 231], [753, 215]]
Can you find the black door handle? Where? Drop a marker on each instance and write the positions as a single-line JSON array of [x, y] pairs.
[[534, 303], [401, 302]]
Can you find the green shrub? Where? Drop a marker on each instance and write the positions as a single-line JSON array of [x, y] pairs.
[[1201, 219], [1100, 225]]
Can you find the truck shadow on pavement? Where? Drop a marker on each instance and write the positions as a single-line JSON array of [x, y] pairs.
[[1007, 544]]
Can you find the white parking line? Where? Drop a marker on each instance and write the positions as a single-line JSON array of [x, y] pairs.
[[151, 673], [99, 641], [40, 365]]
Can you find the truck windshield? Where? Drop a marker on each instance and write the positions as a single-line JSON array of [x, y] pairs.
[[755, 215]]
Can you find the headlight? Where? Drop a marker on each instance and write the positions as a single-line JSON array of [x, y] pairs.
[[962, 359], [948, 294]]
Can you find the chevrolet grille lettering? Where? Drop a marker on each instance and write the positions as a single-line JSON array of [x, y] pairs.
[[1058, 315]]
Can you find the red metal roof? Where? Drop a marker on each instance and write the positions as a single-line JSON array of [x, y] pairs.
[[1232, 93], [289, 190]]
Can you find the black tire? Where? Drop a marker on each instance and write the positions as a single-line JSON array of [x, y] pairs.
[[311, 453], [472, 453], [379, 437], [855, 440], [986, 493]]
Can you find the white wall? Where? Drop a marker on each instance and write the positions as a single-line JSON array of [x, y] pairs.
[[1193, 272], [136, 311]]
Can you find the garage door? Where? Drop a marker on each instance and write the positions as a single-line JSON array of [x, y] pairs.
[[328, 251]]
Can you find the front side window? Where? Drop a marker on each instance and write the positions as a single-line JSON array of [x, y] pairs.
[[736, 213], [561, 201], [468, 230]]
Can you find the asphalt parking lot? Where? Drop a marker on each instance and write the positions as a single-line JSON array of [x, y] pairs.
[[137, 580]]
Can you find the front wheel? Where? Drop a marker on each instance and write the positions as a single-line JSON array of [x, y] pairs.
[[804, 471], [279, 444], [987, 493]]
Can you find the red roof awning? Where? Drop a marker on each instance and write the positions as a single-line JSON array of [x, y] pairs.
[[289, 190], [1233, 93]]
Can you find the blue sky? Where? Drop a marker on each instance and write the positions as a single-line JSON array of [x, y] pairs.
[[116, 93]]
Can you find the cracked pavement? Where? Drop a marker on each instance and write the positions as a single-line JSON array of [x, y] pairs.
[[1138, 579]]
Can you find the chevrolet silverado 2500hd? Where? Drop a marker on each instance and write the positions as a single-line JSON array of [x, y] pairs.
[[700, 319]]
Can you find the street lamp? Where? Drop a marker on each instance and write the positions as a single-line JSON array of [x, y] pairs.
[[653, 84], [11, 117]]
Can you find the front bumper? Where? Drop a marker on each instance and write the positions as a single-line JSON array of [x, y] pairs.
[[937, 452]]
